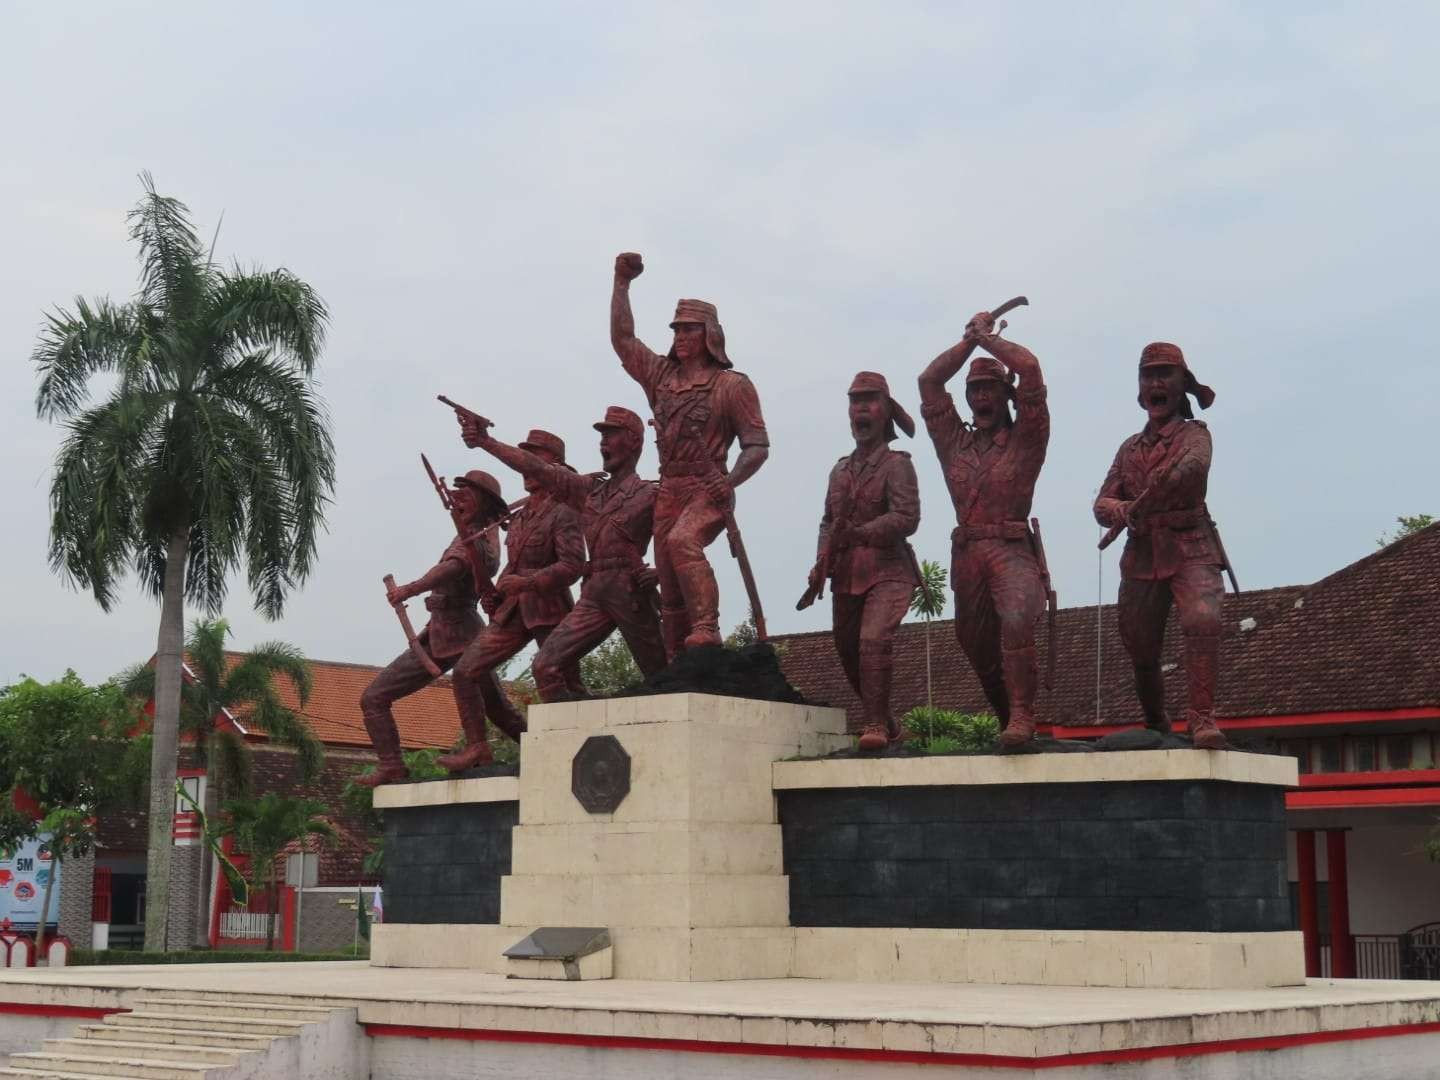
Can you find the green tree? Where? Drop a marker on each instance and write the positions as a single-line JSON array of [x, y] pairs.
[[610, 668], [262, 827], [71, 749], [744, 634], [359, 802], [245, 689], [928, 602], [1409, 523], [210, 451]]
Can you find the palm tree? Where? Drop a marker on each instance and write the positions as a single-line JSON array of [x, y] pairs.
[[210, 451], [262, 827], [929, 603], [247, 688]]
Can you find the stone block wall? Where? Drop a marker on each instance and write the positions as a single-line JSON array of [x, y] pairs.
[[443, 864], [327, 918], [185, 927], [77, 886], [1162, 855]]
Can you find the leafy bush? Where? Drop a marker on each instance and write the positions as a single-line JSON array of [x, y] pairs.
[[947, 731]]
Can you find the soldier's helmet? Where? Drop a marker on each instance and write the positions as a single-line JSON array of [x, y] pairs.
[[704, 313], [1164, 354], [617, 416], [987, 367]]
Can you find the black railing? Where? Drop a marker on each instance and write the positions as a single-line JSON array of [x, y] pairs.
[[1412, 955], [1420, 952]]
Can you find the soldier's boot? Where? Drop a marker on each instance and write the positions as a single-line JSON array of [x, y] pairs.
[[673, 628], [1150, 689], [472, 719], [386, 740], [498, 708], [876, 673], [1021, 680], [702, 602], [1202, 663]]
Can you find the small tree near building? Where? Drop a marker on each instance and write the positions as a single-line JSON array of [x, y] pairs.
[[1409, 523], [928, 602], [72, 750], [262, 828]]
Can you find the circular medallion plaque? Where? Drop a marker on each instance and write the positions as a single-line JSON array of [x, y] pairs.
[[600, 774]]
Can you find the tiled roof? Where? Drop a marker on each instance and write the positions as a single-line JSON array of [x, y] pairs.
[[425, 718], [1367, 637]]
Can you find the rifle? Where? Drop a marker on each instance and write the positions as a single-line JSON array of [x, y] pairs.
[[1152, 491], [826, 557], [1051, 601], [484, 587], [411, 638]]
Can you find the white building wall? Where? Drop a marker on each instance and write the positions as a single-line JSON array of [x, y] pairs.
[[1392, 885]]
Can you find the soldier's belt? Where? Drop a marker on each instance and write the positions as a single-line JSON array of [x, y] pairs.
[[999, 530], [1176, 519], [615, 562], [447, 603], [689, 468]]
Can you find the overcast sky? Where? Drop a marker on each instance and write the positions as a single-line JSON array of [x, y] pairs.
[[847, 182]]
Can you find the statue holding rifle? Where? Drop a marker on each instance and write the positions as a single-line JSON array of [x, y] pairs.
[[871, 505], [997, 566], [454, 585], [701, 407], [616, 514], [1155, 491]]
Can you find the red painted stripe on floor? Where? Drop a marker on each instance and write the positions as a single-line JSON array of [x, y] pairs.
[[910, 1057], [24, 1008]]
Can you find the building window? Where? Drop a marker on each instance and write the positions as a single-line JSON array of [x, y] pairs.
[[1299, 749], [1362, 754], [1328, 758], [1399, 750]]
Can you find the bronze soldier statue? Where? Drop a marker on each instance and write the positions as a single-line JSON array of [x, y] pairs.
[[453, 592], [701, 407], [616, 514], [1156, 490], [991, 466], [871, 505], [545, 553]]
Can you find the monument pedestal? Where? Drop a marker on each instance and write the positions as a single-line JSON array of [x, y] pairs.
[[682, 826]]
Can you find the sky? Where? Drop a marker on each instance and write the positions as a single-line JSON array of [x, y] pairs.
[[848, 182]]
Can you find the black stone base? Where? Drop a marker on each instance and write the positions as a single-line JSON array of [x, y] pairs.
[[749, 672], [443, 864], [1153, 855]]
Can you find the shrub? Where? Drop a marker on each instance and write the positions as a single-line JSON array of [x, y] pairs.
[[947, 731]]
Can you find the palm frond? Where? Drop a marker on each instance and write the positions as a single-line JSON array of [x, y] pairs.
[[281, 658], [172, 263], [267, 309], [231, 762], [137, 682], [73, 346], [288, 728]]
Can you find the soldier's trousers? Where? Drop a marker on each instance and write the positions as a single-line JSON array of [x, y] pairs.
[[1196, 590], [686, 523], [607, 600], [498, 642], [999, 597], [405, 675], [864, 628]]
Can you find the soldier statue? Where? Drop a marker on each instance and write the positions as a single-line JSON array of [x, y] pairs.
[[545, 553], [453, 585], [701, 406], [616, 514], [991, 465], [1156, 490], [871, 505]]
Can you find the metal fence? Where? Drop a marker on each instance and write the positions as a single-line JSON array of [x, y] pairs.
[[1415, 955], [245, 924]]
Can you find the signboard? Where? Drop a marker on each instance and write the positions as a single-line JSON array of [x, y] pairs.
[[24, 873]]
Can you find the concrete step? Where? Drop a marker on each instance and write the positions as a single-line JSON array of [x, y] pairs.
[[50, 1074], [310, 1000], [185, 1053], [101, 1033], [239, 1010], [130, 1068], [218, 1024]]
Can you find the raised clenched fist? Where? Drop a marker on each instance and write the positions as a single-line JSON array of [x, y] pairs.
[[629, 265]]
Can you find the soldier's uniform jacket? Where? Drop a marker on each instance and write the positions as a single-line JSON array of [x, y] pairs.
[[991, 479], [697, 420], [453, 618], [617, 518], [1176, 522], [878, 496], [544, 542]]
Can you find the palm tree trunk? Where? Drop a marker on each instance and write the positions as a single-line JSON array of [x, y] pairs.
[[274, 907], [166, 736], [45, 903], [929, 684]]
